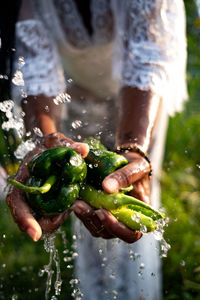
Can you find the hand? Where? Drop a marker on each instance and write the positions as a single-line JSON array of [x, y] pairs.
[[19, 208], [103, 224], [135, 173]]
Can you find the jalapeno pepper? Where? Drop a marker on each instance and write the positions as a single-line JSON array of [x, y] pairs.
[[54, 182]]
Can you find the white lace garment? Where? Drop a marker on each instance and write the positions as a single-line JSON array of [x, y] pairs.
[[136, 43]]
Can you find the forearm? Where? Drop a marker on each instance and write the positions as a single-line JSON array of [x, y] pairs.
[[41, 112], [137, 117]]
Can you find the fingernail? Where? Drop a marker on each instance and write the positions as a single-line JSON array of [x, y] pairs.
[[100, 215], [111, 184], [33, 234]]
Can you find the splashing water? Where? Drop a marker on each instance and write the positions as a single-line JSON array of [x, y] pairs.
[[18, 78], [49, 245], [24, 148], [62, 98], [37, 131], [21, 62], [12, 123], [54, 263], [76, 124], [158, 235]]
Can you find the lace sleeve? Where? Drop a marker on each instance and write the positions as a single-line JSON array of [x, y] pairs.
[[155, 49], [37, 69]]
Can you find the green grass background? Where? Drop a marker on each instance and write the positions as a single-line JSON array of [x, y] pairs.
[[21, 259]]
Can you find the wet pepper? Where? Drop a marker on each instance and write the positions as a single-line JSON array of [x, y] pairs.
[[54, 182], [101, 162], [132, 212], [58, 173]]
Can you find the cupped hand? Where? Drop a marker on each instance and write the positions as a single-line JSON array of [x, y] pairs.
[[19, 208], [103, 224]]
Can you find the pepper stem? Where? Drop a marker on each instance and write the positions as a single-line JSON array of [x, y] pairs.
[[33, 189]]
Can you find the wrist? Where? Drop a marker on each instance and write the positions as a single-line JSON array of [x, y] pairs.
[[41, 112], [137, 116]]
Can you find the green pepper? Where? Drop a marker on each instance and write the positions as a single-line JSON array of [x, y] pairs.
[[124, 207], [101, 162], [54, 182], [57, 200], [127, 209]]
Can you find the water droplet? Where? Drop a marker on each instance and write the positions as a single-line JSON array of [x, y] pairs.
[[18, 78], [23, 148], [21, 61], [75, 254], [142, 266], [62, 98], [140, 273], [143, 228], [76, 124], [37, 131], [115, 294], [182, 263], [24, 95], [135, 217]]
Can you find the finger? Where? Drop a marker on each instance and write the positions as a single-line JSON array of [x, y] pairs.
[[22, 215], [141, 190], [81, 148], [126, 176], [117, 228], [52, 224], [58, 139], [91, 221]]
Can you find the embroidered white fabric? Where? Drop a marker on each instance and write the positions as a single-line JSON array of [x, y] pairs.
[[42, 71], [149, 46], [155, 53]]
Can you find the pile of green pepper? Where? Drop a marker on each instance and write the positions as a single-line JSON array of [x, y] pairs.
[[58, 178], [54, 182]]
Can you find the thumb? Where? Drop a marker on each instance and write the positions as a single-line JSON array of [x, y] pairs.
[[81, 148], [125, 176]]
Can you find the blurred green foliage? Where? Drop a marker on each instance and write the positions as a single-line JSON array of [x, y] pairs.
[[21, 259], [181, 182]]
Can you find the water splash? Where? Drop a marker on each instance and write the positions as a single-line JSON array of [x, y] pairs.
[[76, 124], [23, 148], [50, 247], [21, 62], [62, 98], [37, 131], [158, 235], [18, 78], [12, 123]]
